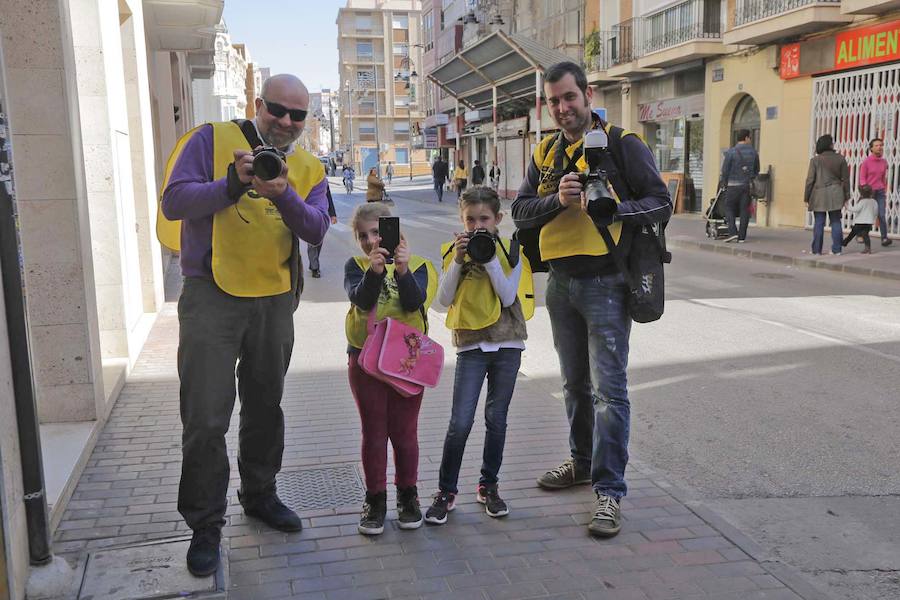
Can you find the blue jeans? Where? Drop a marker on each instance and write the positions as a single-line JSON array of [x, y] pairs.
[[834, 216], [500, 368], [881, 200], [591, 328]]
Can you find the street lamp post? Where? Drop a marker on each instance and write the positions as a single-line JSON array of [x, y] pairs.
[[412, 77], [350, 122]]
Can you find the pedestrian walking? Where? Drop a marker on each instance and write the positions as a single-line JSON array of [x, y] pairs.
[[374, 187], [495, 175], [827, 190], [439, 173], [873, 173], [477, 173], [488, 304], [403, 291], [739, 168], [241, 263], [586, 294], [865, 210], [389, 172], [460, 177], [314, 250]]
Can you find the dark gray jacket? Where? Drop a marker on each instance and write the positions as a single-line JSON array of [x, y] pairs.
[[740, 166], [827, 182]]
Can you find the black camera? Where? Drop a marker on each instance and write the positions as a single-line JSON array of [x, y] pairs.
[[600, 203], [268, 162], [482, 246]]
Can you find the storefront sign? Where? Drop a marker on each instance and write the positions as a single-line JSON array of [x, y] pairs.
[[675, 108], [437, 119], [867, 46], [430, 138], [846, 50], [790, 61]]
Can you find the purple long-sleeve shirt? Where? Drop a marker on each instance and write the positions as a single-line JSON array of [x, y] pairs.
[[193, 196]]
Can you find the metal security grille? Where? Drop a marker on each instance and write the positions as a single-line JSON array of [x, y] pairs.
[[854, 108], [329, 487]]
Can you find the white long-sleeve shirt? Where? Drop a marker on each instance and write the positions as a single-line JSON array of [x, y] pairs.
[[505, 286]]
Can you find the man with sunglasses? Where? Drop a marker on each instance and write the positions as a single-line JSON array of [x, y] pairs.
[[238, 239]]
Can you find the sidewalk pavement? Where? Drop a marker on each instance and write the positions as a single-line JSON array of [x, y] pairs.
[[670, 547], [790, 246]]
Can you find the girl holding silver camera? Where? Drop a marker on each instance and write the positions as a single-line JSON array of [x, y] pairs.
[[488, 291]]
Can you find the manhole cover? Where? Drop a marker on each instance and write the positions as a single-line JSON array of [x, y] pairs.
[[328, 487], [148, 571], [773, 276]]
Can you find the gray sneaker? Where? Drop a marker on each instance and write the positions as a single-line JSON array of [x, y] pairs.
[[606, 520], [564, 476]]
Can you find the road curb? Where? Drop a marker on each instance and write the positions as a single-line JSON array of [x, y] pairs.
[[807, 263], [790, 576]]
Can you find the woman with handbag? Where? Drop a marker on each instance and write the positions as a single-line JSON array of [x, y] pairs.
[[377, 290], [827, 190]]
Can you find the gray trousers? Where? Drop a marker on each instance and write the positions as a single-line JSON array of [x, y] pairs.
[[217, 331], [313, 252]]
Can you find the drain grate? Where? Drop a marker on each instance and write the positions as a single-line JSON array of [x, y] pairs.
[[328, 487], [773, 275]]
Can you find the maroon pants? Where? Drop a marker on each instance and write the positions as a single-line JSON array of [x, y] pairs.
[[385, 414]]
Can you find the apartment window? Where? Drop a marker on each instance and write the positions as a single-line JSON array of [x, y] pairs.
[[428, 31], [364, 50], [367, 107], [401, 49], [400, 21], [401, 101], [402, 155], [367, 127], [364, 22], [401, 129], [365, 79]]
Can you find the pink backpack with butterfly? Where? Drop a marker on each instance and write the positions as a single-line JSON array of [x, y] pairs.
[[401, 356]]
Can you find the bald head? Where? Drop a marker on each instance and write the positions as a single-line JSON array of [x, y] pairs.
[[281, 92]]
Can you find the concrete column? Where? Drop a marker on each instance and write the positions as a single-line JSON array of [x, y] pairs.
[[47, 162], [629, 106]]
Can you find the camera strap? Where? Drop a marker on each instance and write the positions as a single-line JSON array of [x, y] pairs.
[[249, 131]]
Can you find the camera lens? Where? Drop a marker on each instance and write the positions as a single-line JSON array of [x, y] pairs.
[[481, 247], [267, 165]]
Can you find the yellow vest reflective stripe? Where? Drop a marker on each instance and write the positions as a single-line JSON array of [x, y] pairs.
[[389, 302], [476, 304], [571, 232], [251, 245]]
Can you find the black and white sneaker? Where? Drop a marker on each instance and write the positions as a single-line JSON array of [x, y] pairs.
[[409, 515], [489, 495], [443, 503], [371, 521]]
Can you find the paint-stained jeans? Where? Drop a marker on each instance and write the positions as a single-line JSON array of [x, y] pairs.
[[591, 328]]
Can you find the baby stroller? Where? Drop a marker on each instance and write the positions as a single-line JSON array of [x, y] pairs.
[[386, 198], [715, 217]]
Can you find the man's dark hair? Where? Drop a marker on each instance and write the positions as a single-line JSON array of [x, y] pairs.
[[556, 72], [477, 162], [824, 143], [873, 140], [743, 134]]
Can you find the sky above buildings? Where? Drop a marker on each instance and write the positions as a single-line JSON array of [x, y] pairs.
[[289, 36]]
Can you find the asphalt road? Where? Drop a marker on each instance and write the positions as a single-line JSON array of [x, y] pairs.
[[768, 392]]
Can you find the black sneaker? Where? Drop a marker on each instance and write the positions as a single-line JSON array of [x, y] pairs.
[[606, 520], [316, 273], [564, 476], [409, 515], [887, 242], [272, 511], [489, 495], [371, 521], [443, 503], [203, 553]]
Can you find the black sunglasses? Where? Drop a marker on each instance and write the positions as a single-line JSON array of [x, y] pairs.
[[278, 111]]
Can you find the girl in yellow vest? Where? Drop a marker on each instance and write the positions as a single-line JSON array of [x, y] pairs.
[[460, 177], [488, 305], [402, 290]]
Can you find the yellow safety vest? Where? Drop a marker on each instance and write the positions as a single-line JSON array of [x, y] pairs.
[[476, 304], [389, 302], [571, 232], [251, 245]]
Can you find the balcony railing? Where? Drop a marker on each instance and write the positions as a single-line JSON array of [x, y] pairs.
[[685, 22], [749, 11], [624, 46]]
